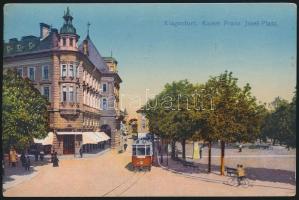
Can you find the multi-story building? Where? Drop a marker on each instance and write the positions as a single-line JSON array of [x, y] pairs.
[[81, 86]]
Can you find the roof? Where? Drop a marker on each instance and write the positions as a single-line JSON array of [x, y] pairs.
[[94, 56], [110, 58], [31, 43]]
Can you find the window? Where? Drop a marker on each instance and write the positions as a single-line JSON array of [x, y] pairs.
[[104, 87], [64, 41], [148, 150], [45, 71], [64, 93], [46, 92], [30, 45], [71, 70], [104, 106], [20, 72], [31, 73], [140, 150], [19, 47], [71, 41], [63, 70], [8, 49], [134, 150], [71, 93]]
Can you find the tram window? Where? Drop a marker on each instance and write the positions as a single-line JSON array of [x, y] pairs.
[[148, 150], [134, 150], [141, 150]]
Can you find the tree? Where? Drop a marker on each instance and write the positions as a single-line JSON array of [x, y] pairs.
[[235, 116], [24, 114], [280, 123], [169, 114]]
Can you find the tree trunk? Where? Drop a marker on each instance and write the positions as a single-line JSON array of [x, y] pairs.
[[210, 150], [173, 149], [222, 157], [184, 149], [161, 150]]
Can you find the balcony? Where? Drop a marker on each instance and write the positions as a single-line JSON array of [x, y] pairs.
[[69, 108]]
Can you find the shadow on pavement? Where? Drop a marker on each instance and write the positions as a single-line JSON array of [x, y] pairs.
[[261, 174], [129, 167]]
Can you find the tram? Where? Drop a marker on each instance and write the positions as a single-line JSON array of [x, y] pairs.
[[142, 154]]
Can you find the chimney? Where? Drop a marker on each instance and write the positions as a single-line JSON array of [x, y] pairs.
[[44, 30]]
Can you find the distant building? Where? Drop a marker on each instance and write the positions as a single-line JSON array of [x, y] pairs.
[[142, 123], [81, 85]]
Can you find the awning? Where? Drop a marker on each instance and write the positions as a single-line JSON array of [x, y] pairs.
[[69, 133], [102, 136], [48, 140], [89, 138]]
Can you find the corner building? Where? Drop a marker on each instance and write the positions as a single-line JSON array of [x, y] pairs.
[[81, 85]]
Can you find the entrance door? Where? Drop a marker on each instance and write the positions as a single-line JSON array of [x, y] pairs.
[[68, 144]]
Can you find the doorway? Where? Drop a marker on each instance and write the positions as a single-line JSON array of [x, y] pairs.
[[68, 144]]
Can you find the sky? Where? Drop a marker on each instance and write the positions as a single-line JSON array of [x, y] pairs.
[[156, 44]]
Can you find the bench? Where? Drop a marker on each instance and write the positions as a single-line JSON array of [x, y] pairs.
[[230, 171], [189, 164]]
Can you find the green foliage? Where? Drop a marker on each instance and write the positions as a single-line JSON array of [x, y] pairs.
[[280, 123], [24, 114]]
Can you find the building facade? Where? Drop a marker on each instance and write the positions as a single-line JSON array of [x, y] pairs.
[[81, 86]]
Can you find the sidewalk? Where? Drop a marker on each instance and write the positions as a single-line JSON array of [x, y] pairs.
[[14, 176], [17, 175]]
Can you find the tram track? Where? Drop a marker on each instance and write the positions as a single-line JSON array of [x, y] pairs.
[[125, 185]]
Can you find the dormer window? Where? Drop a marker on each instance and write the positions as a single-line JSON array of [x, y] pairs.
[[30, 45], [19, 47], [8, 48]]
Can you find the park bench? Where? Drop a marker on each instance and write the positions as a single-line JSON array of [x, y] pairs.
[[230, 171], [189, 164]]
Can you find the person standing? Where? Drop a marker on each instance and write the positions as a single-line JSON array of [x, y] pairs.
[[240, 148], [27, 164], [36, 155], [52, 156], [41, 155], [13, 157], [23, 159], [55, 160], [200, 151], [81, 152]]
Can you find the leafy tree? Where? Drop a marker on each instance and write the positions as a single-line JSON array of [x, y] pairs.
[[24, 114], [235, 117], [280, 123]]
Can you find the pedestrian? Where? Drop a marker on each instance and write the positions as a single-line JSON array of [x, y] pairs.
[[27, 164], [240, 148], [200, 152], [13, 156], [23, 159], [81, 152], [36, 155], [240, 173], [41, 155], [52, 156], [125, 146], [55, 160]]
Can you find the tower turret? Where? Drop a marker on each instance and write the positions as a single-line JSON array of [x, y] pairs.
[[68, 35]]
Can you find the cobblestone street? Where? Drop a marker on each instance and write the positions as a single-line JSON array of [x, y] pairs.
[[109, 174]]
